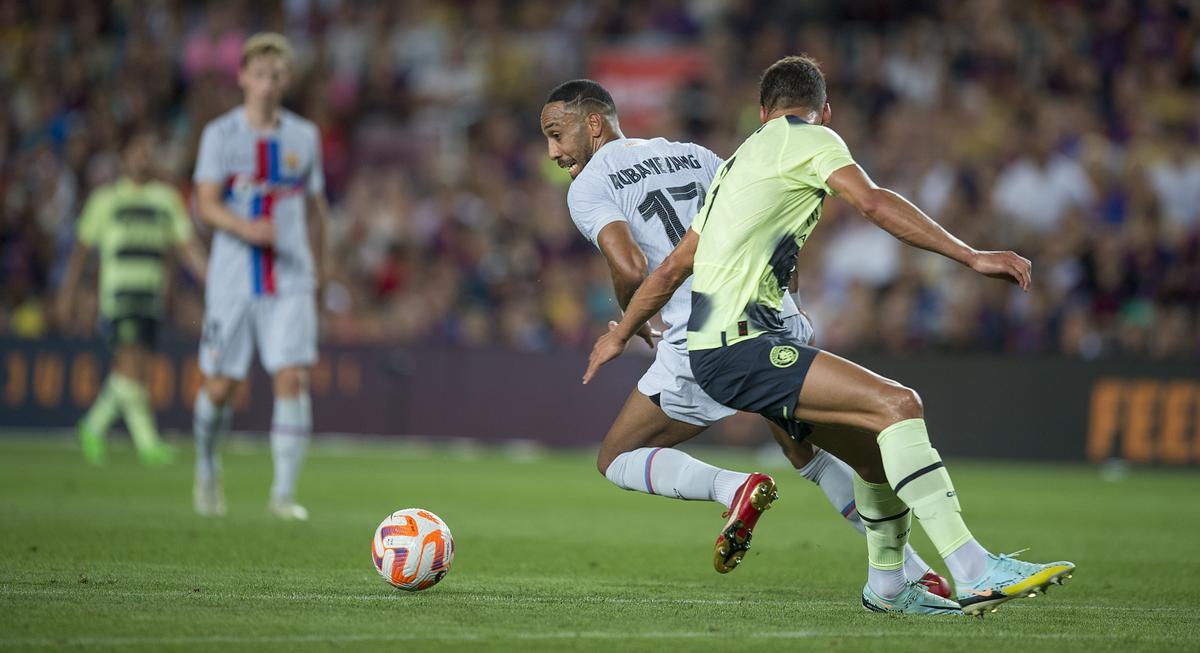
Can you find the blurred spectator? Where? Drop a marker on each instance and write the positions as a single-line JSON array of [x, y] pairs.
[[1067, 131]]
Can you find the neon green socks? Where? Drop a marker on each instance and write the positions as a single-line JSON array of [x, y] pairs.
[[139, 419], [103, 411], [919, 478]]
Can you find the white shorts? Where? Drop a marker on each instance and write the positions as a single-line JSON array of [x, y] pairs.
[[680, 396], [283, 327]]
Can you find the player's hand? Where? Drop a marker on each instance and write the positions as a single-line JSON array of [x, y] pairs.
[[258, 232], [645, 333], [1009, 266], [607, 347]]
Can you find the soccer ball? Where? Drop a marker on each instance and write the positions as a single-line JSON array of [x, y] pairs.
[[412, 549]]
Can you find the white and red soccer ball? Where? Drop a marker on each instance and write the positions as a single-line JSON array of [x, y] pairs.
[[412, 549]]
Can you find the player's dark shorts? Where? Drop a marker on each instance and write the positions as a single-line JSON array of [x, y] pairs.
[[761, 375], [130, 330]]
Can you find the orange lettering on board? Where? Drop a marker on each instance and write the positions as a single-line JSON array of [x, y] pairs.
[[48, 379], [15, 386], [1103, 417], [1138, 446], [85, 379], [1173, 445]]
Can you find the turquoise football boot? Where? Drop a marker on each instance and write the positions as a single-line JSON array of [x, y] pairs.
[[1007, 578], [914, 599]]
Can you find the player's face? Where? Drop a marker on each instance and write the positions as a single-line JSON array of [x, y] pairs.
[[568, 137], [263, 79]]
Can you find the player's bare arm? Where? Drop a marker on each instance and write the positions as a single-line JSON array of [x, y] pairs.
[[317, 214], [627, 266], [651, 296], [214, 214], [191, 256], [905, 221], [65, 305]]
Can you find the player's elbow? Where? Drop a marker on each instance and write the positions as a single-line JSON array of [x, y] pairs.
[[205, 209], [628, 275], [870, 203], [677, 268]]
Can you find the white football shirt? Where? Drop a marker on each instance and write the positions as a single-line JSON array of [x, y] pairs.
[[265, 176], [656, 186]]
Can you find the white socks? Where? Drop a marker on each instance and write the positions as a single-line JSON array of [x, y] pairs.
[[291, 429], [673, 473], [726, 484], [208, 423], [967, 563], [887, 583], [836, 480]]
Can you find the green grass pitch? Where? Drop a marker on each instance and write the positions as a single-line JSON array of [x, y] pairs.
[[551, 557]]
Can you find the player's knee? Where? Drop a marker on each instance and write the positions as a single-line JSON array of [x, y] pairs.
[[219, 390], [799, 454], [901, 403], [603, 460], [290, 382]]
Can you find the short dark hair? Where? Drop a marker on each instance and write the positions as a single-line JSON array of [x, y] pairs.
[[583, 93], [794, 81]]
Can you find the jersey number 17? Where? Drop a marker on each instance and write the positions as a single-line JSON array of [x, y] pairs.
[[657, 205]]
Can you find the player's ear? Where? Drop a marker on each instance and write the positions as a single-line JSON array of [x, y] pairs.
[[826, 114], [595, 124], [762, 114]]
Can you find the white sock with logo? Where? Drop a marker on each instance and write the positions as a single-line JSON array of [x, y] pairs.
[[672, 473]]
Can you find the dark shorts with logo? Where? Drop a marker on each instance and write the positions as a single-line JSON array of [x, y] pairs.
[[762, 375], [130, 330]]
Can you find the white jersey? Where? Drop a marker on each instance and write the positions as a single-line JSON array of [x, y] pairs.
[[265, 176], [656, 186]]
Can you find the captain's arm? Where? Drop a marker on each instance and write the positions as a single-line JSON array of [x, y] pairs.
[[626, 261]]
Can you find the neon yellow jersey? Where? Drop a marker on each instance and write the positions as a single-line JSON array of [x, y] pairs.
[[762, 205], [133, 226]]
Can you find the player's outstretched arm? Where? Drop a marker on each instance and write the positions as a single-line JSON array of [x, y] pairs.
[[905, 221], [318, 216], [627, 266], [651, 296], [191, 255], [213, 213]]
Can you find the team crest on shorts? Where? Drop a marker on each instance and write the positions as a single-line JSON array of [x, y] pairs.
[[784, 355]]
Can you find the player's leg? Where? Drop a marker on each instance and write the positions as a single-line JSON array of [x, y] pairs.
[[291, 430], [682, 401], [902, 460], [93, 428], [837, 482], [226, 347], [286, 327], [132, 374], [637, 455]]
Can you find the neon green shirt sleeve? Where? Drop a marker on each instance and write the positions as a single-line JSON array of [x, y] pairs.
[[95, 212], [812, 154], [180, 229]]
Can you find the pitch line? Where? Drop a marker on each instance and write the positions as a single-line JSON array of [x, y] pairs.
[[209, 640], [387, 595]]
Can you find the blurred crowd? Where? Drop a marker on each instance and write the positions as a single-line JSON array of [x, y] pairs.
[[1066, 130]]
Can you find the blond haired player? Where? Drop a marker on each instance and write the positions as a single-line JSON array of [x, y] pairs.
[[260, 186]]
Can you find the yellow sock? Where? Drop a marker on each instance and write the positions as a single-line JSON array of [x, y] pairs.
[[887, 521], [916, 473]]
